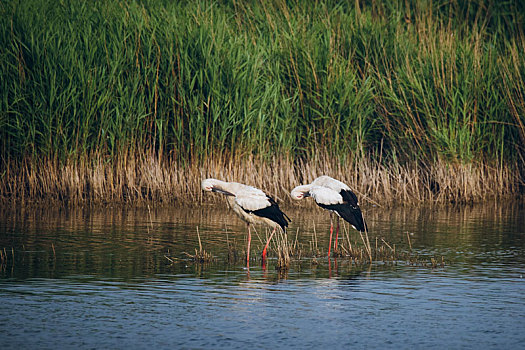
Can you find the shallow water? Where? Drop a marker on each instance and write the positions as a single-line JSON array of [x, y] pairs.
[[99, 278]]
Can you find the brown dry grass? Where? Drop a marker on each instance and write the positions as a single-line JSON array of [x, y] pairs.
[[135, 179]]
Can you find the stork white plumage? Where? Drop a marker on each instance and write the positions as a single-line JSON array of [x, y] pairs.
[[252, 205], [335, 196]]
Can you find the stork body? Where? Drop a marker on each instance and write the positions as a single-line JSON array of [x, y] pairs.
[[252, 205], [335, 196]]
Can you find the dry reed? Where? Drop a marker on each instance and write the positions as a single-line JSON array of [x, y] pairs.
[[201, 255], [288, 251], [148, 178], [4, 258]]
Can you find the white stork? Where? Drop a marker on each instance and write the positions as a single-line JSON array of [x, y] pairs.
[[336, 197], [252, 205]]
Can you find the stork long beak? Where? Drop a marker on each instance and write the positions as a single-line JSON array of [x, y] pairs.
[[214, 189]]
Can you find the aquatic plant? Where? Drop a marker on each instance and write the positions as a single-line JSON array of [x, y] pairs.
[[201, 256]]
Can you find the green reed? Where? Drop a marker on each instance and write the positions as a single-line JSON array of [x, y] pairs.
[[403, 81]]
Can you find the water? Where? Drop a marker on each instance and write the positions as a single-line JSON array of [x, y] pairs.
[[99, 278]]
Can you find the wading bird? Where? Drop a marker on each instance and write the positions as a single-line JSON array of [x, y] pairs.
[[336, 197], [252, 205]]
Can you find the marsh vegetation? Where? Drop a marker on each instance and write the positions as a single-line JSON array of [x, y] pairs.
[[129, 101]]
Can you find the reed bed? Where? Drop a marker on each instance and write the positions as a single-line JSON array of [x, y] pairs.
[[148, 179], [131, 101]]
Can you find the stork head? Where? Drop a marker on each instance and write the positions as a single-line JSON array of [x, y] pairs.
[[300, 192], [208, 184], [214, 185]]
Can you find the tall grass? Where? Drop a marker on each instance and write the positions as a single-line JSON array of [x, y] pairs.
[[115, 100]]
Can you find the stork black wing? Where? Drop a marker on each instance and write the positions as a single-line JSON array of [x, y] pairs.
[[272, 212], [350, 197], [348, 210]]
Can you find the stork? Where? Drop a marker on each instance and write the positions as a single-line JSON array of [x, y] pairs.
[[336, 197], [252, 205]]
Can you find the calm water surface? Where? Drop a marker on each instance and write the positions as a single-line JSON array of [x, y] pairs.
[[99, 278]]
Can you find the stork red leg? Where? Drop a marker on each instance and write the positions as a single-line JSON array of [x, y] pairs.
[[331, 231], [267, 243], [248, 248], [336, 235]]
